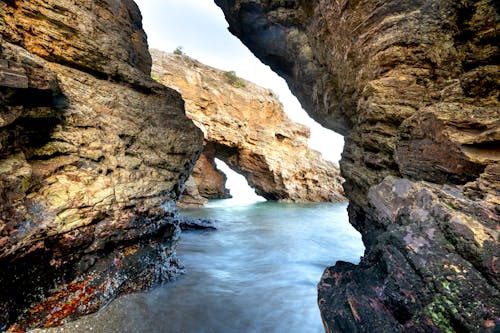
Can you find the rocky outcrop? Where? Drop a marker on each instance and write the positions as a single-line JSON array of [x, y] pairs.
[[190, 197], [414, 87], [211, 181], [206, 181], [93, 154], [247, 128]]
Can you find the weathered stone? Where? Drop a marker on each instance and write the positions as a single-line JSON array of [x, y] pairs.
[[433, 267], [414, 87], [246, 126], [449, 142], [189, 223], [210, 180], [104, 38], [206, 181], [93, 154], [190, 197]]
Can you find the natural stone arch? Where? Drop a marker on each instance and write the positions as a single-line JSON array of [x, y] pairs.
[[245, 126]]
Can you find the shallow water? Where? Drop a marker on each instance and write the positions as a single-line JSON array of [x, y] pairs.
[[257, 273]]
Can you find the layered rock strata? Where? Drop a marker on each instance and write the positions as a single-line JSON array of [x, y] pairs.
[[245, 126], [414, 87], [93, 154]]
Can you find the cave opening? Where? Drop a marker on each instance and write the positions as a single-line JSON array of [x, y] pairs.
[[240, 190], [93, 168], [263, 249], [200, 32]]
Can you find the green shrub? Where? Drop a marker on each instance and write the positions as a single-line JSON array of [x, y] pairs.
[[234, 79], [156, 78], [178, 51]]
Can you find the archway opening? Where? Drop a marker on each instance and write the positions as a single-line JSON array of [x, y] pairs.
[[199, 29], [241, 192]]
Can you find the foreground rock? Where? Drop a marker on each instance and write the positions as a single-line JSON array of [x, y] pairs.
[[93, 154], [414, 87], [190, 197], [246, 127], [190, 223]]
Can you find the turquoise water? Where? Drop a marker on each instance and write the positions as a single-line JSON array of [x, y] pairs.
[[257, 273]]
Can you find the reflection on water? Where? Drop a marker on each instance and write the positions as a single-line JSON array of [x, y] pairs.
[[257, 273]]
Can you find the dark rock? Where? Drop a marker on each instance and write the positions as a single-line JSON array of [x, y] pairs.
[[433, 266], [190, 223], [413, 86]]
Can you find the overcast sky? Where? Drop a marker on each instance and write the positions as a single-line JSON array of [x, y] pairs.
[[199, 27]]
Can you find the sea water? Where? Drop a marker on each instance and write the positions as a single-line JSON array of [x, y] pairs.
[[258, 272]]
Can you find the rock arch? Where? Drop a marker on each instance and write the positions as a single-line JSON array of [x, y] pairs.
[[245, 126]]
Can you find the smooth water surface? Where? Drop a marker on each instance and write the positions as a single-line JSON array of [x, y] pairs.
[[257, 273]]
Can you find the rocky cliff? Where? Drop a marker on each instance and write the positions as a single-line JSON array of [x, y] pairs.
[[93, 153], [245, 126], [414, 87]]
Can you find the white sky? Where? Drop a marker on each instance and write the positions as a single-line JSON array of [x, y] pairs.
[[200, 28], [241, 192]]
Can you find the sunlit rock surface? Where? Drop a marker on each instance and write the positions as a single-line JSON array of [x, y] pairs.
[[206, 181], [211, 181], [414, 87], [246, 127], [93, 154]]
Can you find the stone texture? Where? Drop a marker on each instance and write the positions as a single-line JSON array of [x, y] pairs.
[[414, 87], [104, 38], [189, 223], [93, 154], [211, 181], [247, 128], [191, 197], [433, 268], [206, 181]]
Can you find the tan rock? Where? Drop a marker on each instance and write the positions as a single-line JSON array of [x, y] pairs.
[[103, 38], [93, 154], [211, 182], [191, 197], [248, 129]]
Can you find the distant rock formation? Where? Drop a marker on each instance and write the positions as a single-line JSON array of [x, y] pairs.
[[414, 87], [206, 181], [245, 126], [211, 181], [93, 154]]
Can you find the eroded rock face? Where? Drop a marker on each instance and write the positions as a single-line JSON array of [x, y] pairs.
[[206, 181], [414, 87], [246, 126], [93, 154], [211, 182]]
